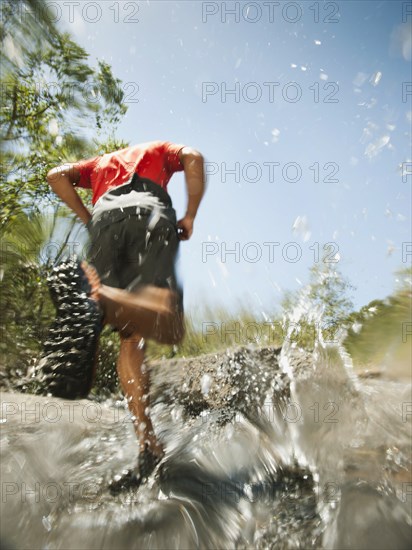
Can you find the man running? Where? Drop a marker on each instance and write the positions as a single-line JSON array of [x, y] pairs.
[[134, 241]]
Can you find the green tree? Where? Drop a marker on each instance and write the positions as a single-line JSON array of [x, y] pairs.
[[329, 292], [55, 107]]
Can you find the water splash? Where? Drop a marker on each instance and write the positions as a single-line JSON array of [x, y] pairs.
[[284, 448]]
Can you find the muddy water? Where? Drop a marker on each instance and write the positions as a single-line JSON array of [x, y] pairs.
[[265, 449]]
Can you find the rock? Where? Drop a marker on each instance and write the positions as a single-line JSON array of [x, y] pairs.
[[238, 380]]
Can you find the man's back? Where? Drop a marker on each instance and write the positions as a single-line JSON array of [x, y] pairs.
[[154, 160]]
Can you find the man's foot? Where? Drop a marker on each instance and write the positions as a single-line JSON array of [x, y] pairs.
[[66, 367], [133, 478]]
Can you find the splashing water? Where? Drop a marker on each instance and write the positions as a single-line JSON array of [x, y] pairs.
[[280, 448]]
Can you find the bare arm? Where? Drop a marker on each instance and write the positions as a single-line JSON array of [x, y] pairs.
[[193, 164], [61, 180]]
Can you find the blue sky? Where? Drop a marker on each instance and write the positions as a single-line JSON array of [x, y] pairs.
[[331, 110]]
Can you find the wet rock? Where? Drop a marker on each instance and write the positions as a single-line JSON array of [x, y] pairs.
[[238, 381]]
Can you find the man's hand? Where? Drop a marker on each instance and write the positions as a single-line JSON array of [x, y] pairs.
[[185, 228]]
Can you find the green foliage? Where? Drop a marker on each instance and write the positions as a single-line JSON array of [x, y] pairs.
[[383, 327], [26, 309], [212, 329], [55, 108]]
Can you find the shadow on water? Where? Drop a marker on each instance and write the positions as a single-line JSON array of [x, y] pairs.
[[284, 449]]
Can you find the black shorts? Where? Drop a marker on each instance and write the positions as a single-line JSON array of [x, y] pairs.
[[131, 249]]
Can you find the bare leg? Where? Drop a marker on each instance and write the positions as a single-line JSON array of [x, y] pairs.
[[135, 382], [150, 311]]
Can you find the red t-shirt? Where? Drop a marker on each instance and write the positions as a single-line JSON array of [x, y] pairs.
[[155, 160]]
